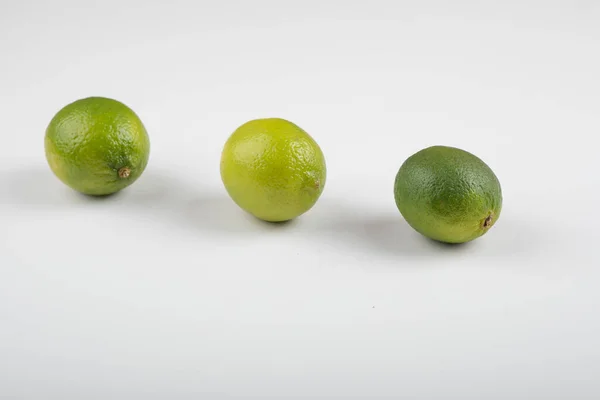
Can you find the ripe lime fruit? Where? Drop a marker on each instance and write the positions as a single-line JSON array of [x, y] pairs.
[[448, 194], [273, 169], [97, 146]]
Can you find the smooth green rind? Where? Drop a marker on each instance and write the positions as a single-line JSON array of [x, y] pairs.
[[273, 169], [448, 194], [90, 140]]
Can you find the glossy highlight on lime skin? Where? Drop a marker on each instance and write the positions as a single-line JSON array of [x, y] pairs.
[[448, 194], [97, 146], [273, 169]]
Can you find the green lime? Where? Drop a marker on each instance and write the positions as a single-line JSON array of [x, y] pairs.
[[97, 146], [448, 194], [273, 169]]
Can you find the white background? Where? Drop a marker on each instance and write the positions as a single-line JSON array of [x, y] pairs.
[[169, 291]]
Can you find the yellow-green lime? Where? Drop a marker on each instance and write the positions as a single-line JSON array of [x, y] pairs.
[[448, 194], [97, 146], [273, 169]]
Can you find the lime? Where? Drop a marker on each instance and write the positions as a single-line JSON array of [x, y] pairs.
[[448, 194], [97, 146], [273, 169]]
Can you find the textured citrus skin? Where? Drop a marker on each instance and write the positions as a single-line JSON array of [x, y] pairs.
[[273, 169], [97, 146], [448, 194]]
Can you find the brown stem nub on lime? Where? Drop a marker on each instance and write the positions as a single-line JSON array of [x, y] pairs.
[[124, 173], [488, 222], [86, 140]]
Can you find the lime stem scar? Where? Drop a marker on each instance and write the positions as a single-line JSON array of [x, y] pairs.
[[488, 222], [124, 172]]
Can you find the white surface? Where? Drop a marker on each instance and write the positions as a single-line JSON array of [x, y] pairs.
[[169, 291]]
